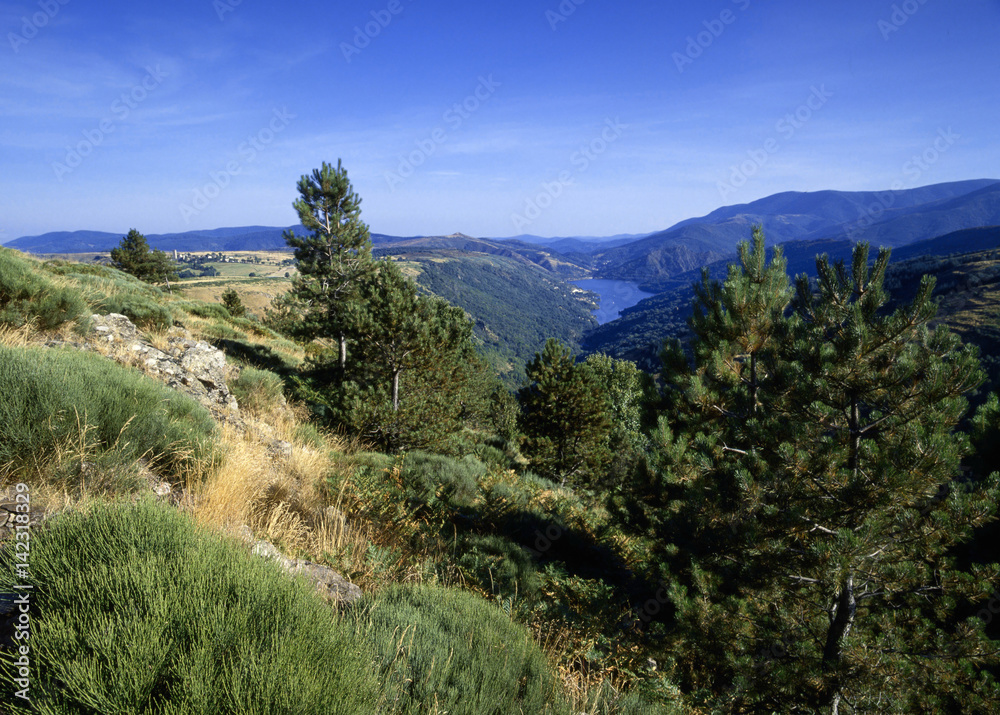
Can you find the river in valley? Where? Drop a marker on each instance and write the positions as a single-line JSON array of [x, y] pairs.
[[615, 296]]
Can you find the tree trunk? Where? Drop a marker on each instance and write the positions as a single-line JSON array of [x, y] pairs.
[[854, 460], [395, 390], [343, 351], [836, 637]]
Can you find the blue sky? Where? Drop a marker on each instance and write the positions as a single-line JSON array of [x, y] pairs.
[[592, 117]]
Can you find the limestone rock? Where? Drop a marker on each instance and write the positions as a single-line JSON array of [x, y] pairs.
[[192, 367], [114, 326], [328, 583], [269, 551], [207, 364]]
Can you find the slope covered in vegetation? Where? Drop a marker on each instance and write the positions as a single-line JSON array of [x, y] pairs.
[[776, 525]]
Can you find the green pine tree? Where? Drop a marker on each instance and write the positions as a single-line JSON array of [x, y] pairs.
[[817, 497], [416, 370], [334, 258], [627, 392], [564, 417], [231, 299], [134, 256]]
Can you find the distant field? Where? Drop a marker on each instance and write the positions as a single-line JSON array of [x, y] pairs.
[[243, 270], [256, 293]]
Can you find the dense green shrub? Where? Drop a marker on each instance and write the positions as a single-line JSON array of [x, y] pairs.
[[257, 390], [26, 295], [219, 330], [137, 610], [144, 312], [50, 396], [500, 566], [429, 478], [445, 650]]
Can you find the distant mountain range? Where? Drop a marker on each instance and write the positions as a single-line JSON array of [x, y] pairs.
[[932, 221], [269, 238], [244, 238], [890, 218]]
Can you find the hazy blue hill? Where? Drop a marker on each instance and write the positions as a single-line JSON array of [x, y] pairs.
[[241, 238], [966, 241], [67, 242], [914, 214], [837, 207], [900, 227]]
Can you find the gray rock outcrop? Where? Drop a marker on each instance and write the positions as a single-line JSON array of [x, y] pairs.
[[189, 366], [331, 585]]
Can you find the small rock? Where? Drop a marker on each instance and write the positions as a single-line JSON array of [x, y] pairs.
[[330, 584], [268, 551], [245, 533]]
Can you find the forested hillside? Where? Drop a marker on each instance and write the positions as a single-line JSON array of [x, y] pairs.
[[515, 306]]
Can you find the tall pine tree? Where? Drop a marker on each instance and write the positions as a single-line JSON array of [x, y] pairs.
[[334, 258], [416, 369], [819, 497]]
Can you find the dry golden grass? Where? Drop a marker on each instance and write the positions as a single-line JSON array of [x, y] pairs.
[[255, 296], [281, 498], [582, 684], [12, 337], [159, 339]]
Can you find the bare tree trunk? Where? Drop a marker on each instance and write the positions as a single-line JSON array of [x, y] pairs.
[[395, 390], [343, 351], [840, 629]]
